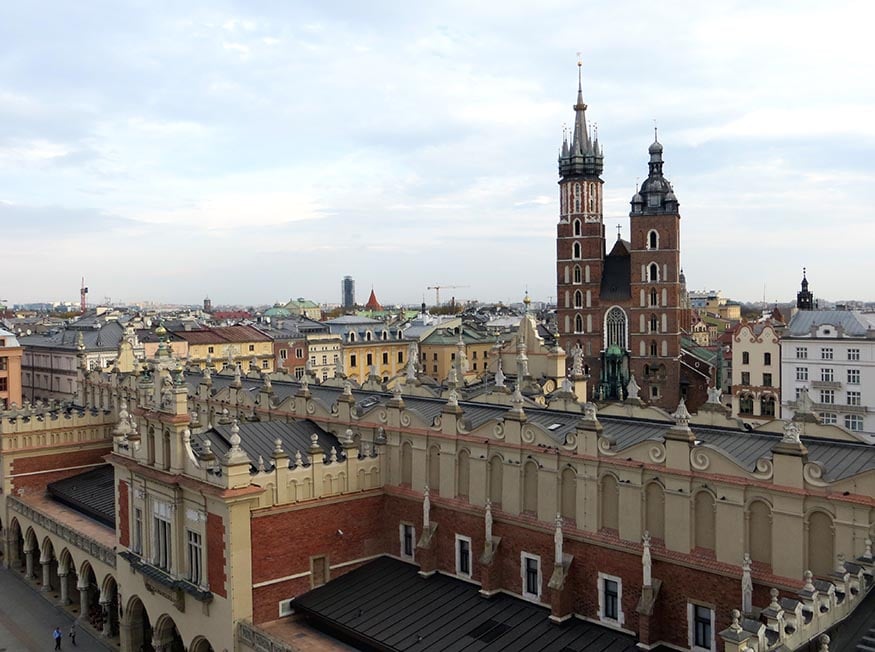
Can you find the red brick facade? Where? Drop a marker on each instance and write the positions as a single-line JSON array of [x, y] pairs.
[[123, 526], [285, 539], [216, 554], [34, 473]]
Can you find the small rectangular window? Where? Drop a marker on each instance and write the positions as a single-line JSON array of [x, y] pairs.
[[194, 554], [802, 352], [284, 354], [802, 373], [353, 361], [767, 359], [826, 353], [210, 349], [827, 418], [408, 540], [318, 571], [826, 375], [370, 359], [702, 627], [138, 531], [827, 396], [745, 357], [463, 555], [530, 569], [745, 378], [400, 357], [162, 547], [385, 357], [854, 422], [767, 380], [854, 398], [251, 347], [853, 376], [853, 354]]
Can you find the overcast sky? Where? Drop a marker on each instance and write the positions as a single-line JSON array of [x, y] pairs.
[[257, 151]]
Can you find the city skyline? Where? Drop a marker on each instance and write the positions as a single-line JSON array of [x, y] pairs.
[[254, 156]]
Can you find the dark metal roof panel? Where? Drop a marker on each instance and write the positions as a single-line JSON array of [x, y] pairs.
[[92, 493]]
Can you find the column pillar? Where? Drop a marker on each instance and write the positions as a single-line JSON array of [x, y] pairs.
[[104, 601], [12, 554], [28, 561], [47, 575], [65, 589], [82, 585]]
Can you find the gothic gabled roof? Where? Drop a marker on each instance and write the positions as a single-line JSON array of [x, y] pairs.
[[617, 272], [583, 155], [372, 303]]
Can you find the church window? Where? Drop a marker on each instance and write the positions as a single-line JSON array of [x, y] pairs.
[[615, 328], [589, 298], [654, 299], [654, 324], [578, 324], [576, 251], [653, 272], [664, 323], [567, 274], [653, 240], [578, 299], [577, 276], [576, 227], [664, 348], [586, 276], [592, 198], [576, 197], [653, 349]]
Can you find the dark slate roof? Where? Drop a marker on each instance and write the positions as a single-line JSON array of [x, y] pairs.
[[839, 459], [617, 274], [107, 337], [853, 324], [90, 493], [259, 437], [386, 605]]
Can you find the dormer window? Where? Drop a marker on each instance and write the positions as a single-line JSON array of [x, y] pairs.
[[352, 337], [368, 336]]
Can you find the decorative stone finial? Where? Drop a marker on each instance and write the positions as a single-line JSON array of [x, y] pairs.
[[235, 437], [314, 439], [332, 456], [499, 376], [237, 382], [208, 374], [186, 436], [396, 391], [305, 382], [268, 385], [567, 387], [517, 398], [808, 578], [682, 416], [347, 388], [824, 643], [867, 552], [299, 460], [487, 518], [590, 412], [426, 509], [840, 564], [348, 436], [791, 433], [261, 463], [632, 388], [646, 561], [746, 585], [736, 621], [774, 605], [277, 447], [453, 398], [558, 540]]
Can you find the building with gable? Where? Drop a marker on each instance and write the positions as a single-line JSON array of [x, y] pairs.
[[626, 306], [756, 370], [10, 370]]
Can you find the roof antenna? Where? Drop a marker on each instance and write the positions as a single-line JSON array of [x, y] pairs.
[[619, 228], [579, 77], [655, 134]]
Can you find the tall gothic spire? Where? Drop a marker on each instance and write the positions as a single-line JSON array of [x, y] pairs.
[[582, 157]]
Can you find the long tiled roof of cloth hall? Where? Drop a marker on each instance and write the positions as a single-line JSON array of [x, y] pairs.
[[837, 459]]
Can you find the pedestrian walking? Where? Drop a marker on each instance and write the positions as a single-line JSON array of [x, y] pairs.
[[58, 636], [73, 634]]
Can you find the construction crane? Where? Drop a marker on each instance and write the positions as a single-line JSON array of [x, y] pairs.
[[82, 292], [437, 291]]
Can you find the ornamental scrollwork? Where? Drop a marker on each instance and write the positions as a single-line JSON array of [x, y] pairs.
[[764, 469], [813, 474], [699, 460], [657, 453]]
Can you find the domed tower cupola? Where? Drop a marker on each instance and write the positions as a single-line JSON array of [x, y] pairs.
[[805, 298], [656, 194], [582, 157]]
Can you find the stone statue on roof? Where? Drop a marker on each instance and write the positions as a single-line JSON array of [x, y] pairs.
[[632, 388], [714, 395], [577, 360], [791, 433]]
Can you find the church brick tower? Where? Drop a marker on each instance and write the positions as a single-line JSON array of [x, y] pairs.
[[624, 309]]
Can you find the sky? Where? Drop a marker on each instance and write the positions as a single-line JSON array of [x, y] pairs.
[[258, 151]]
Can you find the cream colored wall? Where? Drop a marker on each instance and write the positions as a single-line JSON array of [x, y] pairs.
[[745, 341], [376, 348]]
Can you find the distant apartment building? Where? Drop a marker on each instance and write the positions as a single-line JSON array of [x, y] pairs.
[[466, 348], [304, 308], [10, 370], [756, 371], [347, 292], [241, 344], [831, 353], [370, 347]]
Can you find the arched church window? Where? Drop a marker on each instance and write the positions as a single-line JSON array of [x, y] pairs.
[[578, 299], [653, 240], [654, 350], [576, 227], [653, 297], [576, 250], [591, 197], [577, 273], [578, 324], [654, 323], [615, 327], [653, 272], [576, 197]]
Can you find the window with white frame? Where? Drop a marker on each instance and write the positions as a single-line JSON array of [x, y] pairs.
[[827, 375], [530, 574], [854, 398], [827, 396], [802, 352], [828, 418], [407, 536], [801, 374], [826, 353], [853, 376], [853, 354], [162, 545], [138, 531], [701, 627], [854, 422], [463, 555], [610, 591], [194, 557]]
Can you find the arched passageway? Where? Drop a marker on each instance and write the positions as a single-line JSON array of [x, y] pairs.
[[200, 644], [136, 630], [165, 637]]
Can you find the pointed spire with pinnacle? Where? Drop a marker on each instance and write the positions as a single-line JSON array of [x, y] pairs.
[[580, 157]]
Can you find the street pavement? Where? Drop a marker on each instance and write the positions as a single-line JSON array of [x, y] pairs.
[[27, 620]]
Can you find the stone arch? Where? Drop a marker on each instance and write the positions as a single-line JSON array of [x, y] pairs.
[[434, 469], [496, 471], [15, 543], [578, 299], [610, 502], [67, 576], [49, 562], [820, 542], [165, 635], [530, 487], [136, 628], [575, 251], [578, 277], [577, 227], [704, 520], [759, 531], [463, 474], [406, 463], [568, 494], [654, 510], [89, 595], [109, 606], [200, 644]]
